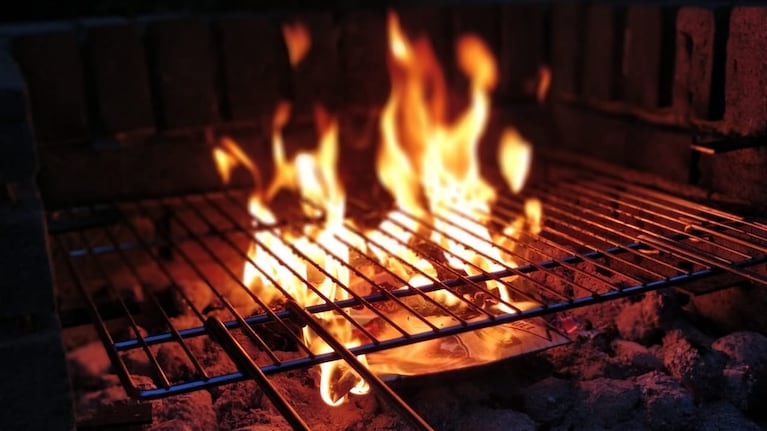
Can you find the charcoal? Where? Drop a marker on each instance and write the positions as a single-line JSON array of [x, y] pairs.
[[745, 375], [637, 356], [175, 362], [494, 420], [723, 416], [645, 320], [696, 367], [87, 364], [606, 402], [549, 400], [194, 409], [667, 405]]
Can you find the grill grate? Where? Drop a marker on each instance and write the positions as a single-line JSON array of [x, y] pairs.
[[603, 239]]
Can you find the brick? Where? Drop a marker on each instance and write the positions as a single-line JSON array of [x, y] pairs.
[[51, 65], [647, 70], [316, 78], [363, 50], [255, 63], [181, 57], [600, 74], [522, 49], [18, 156], [694, 60], [566, 47], [746, 71], [120, 76], [13, 98]]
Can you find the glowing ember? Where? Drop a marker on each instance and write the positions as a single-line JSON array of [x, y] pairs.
[[431, 167]]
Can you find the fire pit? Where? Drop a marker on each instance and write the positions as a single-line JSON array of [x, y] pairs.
[[344, 257]]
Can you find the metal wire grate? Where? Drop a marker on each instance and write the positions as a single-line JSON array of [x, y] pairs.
[[136, 263]]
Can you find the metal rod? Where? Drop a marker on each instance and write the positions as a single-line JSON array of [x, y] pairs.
[[249, 367], [381, 388]]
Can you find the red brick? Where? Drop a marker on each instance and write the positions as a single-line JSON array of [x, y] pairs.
[[120, 77], [363, 46], [746, 71], [694, 60], [599, 71], [182, 59], [51, 65], [566, 47], [255, 63], [522, 49]]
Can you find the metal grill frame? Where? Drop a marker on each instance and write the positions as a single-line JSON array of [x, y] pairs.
[[666, 240]]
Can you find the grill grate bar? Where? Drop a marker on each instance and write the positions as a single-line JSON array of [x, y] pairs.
[[602, 240]]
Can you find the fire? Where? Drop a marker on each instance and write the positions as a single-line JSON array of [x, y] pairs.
[[430, 166]]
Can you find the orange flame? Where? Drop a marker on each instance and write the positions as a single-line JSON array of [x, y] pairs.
[[429, 165], [297, 40]]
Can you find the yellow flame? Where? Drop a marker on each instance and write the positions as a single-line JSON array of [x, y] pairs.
[[514, 156], [297, 40]]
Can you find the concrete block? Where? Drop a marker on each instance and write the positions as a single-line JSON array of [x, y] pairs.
[[648, 66], [120, 77], [182, 64], [255, 66], [694, 62], [316, 79], [603, 44], [363, 50], [51, 65], [522, 49], [746, 71], [566, 48]]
